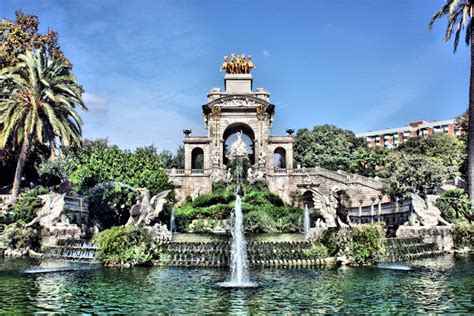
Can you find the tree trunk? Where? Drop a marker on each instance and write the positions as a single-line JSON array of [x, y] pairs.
[[470, 130], [19, 170], [52, 154]]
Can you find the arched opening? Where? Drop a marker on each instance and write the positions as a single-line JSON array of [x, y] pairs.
[[197, 158], [308, 199], [279, 158], [230, 136]]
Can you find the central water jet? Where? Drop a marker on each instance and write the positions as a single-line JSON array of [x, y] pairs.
[[239, 266]]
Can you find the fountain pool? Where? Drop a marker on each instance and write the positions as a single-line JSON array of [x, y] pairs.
[[442, 284]]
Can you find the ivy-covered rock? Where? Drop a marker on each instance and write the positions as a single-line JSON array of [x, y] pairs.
[[126, 246]]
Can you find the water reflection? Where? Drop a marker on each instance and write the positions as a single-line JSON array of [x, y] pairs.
[[437, 285]]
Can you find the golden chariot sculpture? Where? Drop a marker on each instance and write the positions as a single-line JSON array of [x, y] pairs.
[[237, 64]]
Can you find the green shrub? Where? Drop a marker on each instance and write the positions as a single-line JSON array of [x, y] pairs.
[[109, 205], [213, 199], [454, 205], [337, 241], [15, 236], [125, 245], [317, 250], [259, 222], [367, 243], [463, 235]]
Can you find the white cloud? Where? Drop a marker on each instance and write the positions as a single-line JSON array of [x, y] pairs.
[[94, 102], [266, 53]]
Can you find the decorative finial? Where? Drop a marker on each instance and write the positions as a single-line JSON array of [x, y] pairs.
[[237, 64]]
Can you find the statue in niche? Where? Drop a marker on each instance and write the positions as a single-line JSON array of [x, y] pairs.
[[217, 176], [215, 158], [196, 193], [250, 176], [262, 159], [228, 176], [238, 148]]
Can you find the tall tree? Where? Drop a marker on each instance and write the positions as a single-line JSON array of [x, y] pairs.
[[326, 146], [38, 103], [459, 14], [21, 35]]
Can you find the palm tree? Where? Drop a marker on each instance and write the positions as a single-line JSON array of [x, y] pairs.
[[38, 105], [458, 14]]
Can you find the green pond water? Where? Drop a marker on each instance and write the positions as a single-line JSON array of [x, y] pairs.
[[444, 284]]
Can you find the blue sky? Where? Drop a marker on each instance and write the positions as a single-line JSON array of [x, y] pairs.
[[146, 66]]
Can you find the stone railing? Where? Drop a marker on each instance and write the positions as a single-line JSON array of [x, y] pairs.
[[175, 171], [340, 176], [280, 171], [197, 171], [390, 212]]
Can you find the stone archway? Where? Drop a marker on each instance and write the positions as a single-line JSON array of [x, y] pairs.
[[308, 199], [279, 158], [197, 158], [230, 136]]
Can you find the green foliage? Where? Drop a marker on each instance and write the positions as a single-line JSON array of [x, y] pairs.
[[326, 146], [99, 164], [9, 158], [21, 35], [259, 222], [337, 241], [103, 172], [170, 161], [415, 173], [463, 235], [50, 111], [442, 148], [15, 236], [458, 15], [24, 211], [367, 243], [110, 204], [52, 171], [125, 245], [317, 250], [368, 161], [263, 211], [455, 205]]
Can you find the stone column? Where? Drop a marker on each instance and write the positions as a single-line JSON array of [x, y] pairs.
[[372, 210], [379, 211]]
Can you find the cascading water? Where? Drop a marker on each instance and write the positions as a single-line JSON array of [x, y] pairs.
[[172, 228], [306, 222], [239, 266]]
